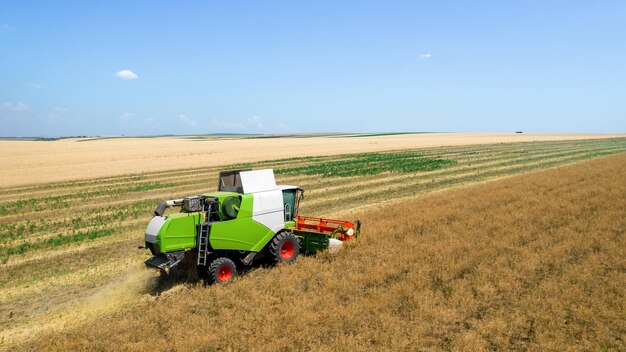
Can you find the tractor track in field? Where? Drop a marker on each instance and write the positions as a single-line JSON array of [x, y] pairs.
[[56, 289], [123, 232]]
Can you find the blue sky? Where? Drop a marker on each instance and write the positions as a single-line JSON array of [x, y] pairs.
[[166, 67]]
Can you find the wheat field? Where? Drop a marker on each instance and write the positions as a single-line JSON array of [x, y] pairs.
[[480, 267], [32, 162]]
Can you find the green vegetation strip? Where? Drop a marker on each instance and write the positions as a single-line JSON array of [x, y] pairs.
[[62, 201], [411, 187], [6, 252], [111, 216], [369, 164]]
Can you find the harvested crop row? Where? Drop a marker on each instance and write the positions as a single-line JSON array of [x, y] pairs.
[[462, 167], [419, 185], [174, 182], [38, 266], [116, 217], [388, 180]]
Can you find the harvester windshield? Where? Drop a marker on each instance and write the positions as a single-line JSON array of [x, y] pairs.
[[230, 181], [291, 200]]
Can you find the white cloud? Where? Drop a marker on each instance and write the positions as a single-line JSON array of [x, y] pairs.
[[426, 56], [255, 121], [151, 124], [60, 109], [281, 126], [56, 115], [254, 124], [17, 107], [191, 123], [227, 126], [126, 74], [34, 85], [125, 117], [7, 27]]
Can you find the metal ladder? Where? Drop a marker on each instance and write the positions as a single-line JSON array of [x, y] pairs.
[[203, 231]]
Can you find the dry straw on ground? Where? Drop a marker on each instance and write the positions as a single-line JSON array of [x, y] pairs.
[[83, 278], [529, 262]]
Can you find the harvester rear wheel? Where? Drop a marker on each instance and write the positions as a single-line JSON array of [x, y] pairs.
[[222, 271], [285, 247]]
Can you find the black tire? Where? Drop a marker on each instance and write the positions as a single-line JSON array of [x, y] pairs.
[[285, 247], [222, 271]]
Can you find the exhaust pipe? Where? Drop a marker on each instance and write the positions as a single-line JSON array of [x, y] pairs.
[[166, 204]]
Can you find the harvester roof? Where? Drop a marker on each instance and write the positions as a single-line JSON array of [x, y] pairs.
[[247, 181]]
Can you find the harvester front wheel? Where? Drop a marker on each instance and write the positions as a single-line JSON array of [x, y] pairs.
[[222, 271], [285, 247]]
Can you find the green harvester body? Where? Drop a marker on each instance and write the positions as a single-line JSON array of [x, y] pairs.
[[239, 222]]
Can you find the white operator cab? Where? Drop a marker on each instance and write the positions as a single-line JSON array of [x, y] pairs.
[[273, 204]]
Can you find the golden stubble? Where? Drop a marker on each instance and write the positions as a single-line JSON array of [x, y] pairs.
[[65, 275], [533, 262]]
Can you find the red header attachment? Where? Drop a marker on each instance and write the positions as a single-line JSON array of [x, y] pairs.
[[341, 229]]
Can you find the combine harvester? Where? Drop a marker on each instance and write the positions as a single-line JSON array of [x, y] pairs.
[[248, 219]]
